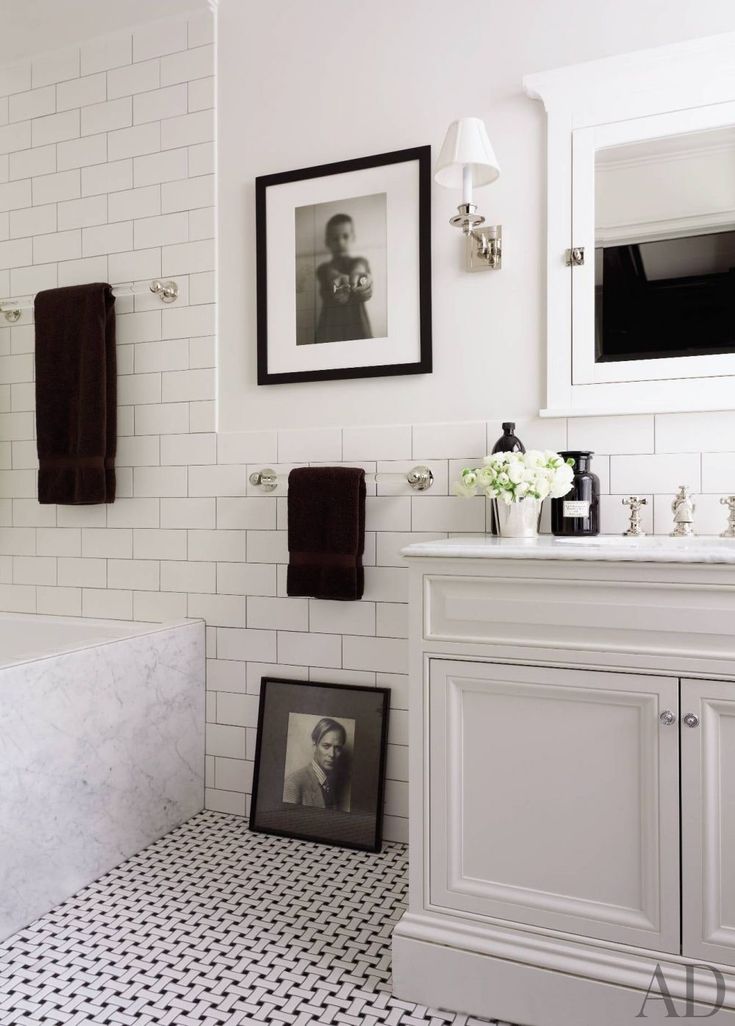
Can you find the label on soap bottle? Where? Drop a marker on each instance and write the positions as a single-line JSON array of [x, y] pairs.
[[576, 509]]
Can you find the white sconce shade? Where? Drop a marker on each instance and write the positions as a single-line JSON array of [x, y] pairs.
[[466, 145]]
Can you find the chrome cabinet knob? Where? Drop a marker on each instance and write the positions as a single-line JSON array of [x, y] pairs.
[[691, 720], [667, 717]]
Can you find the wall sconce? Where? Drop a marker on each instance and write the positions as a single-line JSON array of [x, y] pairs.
[[467, 159]]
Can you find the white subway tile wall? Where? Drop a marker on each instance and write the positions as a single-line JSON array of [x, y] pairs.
[[109, 168]]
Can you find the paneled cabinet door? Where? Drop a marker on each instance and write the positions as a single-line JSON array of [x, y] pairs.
[[708, 820], [554, 799]]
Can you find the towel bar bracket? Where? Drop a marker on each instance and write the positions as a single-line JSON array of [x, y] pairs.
[[167, 291], [419, 478]]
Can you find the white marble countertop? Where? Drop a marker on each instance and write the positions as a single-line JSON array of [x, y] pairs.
[[613, 547]]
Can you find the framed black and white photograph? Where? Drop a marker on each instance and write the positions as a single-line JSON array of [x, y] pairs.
[[320, 762], [344, 269]]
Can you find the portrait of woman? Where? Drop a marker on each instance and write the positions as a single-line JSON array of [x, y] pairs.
[[324, 781]]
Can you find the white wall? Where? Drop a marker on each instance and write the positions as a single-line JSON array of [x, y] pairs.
[[305, 83]]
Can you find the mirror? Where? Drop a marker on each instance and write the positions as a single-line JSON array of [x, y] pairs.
[[665, 247]]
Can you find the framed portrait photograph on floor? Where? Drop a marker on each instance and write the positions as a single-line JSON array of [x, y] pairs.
[[320, 762], [344, 269]]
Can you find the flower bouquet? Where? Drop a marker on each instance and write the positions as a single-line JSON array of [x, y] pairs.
[[518, 483]]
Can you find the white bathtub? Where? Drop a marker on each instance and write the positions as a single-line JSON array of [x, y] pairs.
[[101, 749]]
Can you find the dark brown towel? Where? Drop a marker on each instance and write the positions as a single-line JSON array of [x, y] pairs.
[[76, 394], [326, 532]]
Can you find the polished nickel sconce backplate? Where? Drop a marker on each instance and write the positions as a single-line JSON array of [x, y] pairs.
[[484, 246]]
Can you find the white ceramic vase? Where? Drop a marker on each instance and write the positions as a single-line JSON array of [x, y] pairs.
[[518, 519]]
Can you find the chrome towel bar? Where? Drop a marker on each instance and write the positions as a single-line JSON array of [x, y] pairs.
[[419, 478]]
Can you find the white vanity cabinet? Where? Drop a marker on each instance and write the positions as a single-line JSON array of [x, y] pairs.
[[572, 780]]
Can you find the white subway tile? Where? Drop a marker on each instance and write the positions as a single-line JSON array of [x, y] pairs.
[[160, 481], [107, 178], [159, 607], [58, 541], [27, 513], [387, 513], [108, 238], [161, 231], [169, 418], [234, 804], [202, 223], [187, 130], [252, 513], [16, 78], [625, 435], [178, 450], [246, 645], [386, 584], [202, 94], [187, 386], [59, 601], [310, 649], [202, 352], [188, 193], [108, 52], [188, 257], [268, 546], [82, 152], [290, 614], [56, 66], [137, 574], [156, 38], [16, 137], [160, 103], [237, 709], [188, 576], [55, 188], [33, 104], [14, 195], [448, 440], [246, 579], [228, 546], [107, 116], [189, 65], [341, 617], [217, 480], [202, 416], [57, 246], [718, 472], [132, 142], [135, 78], [28, 163], [201, 159], [310, 444], [391, 620], [377, 442], [152, 544], [115, 605], [138, 451], [27, 280], [16, 253], [218, 610], [447, 513], [225, 741], [695, 432], [19, 541], [234, 775], [160, 356], [81, 91], [107, 542], [131, 203], [82, 573], [247, 447], [194, 513], [136, 264], [18, 598], [381, 654], [82, 213], [55, 128], [160, 167], [134, 512], [640, 475], [77, 272]]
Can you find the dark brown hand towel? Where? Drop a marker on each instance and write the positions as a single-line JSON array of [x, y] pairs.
[[326, 532], [76, 394]]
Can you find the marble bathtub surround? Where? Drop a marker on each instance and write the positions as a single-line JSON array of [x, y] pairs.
[[102, 752]]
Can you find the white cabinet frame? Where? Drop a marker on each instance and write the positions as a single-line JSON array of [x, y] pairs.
[[651, 93]]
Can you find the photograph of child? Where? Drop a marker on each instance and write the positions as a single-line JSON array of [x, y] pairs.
[[341, 270]]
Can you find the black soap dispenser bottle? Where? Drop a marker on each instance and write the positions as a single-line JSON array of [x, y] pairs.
[[577, 514], [508, 442]]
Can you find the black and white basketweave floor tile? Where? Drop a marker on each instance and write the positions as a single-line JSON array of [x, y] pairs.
[[216, 926]]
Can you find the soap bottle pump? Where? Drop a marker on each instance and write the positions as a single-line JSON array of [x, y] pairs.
[[508, 442]]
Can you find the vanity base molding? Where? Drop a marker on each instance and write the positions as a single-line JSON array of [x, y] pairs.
[[571, 783], [528, 980]]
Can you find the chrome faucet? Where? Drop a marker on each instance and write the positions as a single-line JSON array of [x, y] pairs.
[[635, 502], [683, 508]]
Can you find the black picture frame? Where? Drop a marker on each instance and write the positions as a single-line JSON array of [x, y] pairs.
[[420, 154], [288, 711]]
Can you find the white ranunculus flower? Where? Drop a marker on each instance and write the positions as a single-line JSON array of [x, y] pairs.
[[562, 481], [512, 476]]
